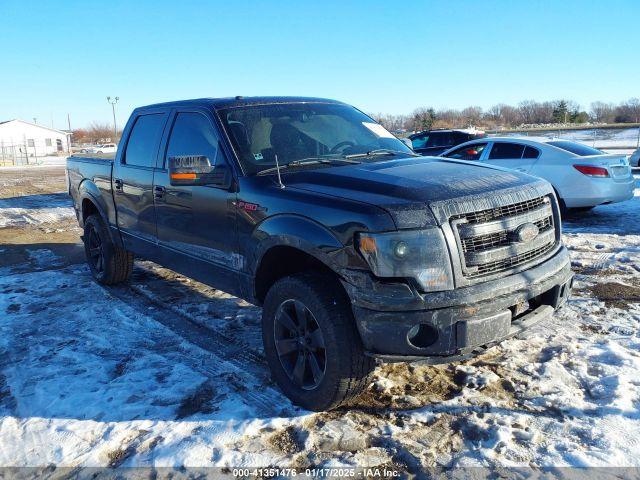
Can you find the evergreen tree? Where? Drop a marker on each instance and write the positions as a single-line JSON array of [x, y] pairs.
[[560, 112], [423, 118]]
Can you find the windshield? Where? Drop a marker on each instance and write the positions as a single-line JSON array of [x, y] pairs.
[[304, 131], [577, 148]]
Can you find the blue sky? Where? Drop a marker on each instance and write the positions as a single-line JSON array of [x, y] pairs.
[[66, 56]]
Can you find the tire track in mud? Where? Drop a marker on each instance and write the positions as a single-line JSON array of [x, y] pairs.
[[243, 359], [221, 348]]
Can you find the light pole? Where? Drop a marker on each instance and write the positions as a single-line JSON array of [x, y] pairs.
[[113, 109]]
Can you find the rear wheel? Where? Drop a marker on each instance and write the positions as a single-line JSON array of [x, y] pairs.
[[109, 263], [311, 342]]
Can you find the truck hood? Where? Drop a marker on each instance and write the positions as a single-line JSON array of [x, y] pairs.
[[422, 191]]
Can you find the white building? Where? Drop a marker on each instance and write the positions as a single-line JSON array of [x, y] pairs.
[[25, 139]]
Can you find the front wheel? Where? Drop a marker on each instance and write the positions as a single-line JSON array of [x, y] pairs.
[[109, 263], [311, 342]]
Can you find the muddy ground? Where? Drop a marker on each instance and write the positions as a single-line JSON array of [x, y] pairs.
[[62, 238]]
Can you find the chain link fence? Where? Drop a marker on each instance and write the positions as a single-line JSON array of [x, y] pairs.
[[31, 152]]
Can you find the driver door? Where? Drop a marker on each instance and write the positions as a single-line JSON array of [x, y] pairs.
[[196, 223], [473, 152]]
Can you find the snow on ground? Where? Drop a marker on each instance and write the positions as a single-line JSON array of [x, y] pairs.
[[168, 372], [35, 209], [48, 161], [604, 138], [622, 140]]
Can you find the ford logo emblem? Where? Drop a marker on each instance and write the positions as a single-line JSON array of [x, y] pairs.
[[526, 232]]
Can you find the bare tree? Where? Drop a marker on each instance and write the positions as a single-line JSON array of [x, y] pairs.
[[471, 116], [527, 111], [510, 116], [602, 112], [628, 111], [96, 132]]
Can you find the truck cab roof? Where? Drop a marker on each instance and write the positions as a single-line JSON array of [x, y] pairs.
[[239, 101]]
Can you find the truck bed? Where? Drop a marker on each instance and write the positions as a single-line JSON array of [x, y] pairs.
[[91, 175]]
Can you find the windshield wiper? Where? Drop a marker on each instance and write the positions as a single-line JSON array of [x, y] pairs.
[[307, 161], [379, 152]]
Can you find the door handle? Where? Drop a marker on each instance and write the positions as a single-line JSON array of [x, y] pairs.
[[159, 191], [118, 184]]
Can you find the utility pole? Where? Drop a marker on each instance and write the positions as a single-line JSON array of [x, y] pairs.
[[69, 134], [113, 109], [35, 120]]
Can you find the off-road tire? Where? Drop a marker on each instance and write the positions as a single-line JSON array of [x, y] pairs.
[[117, 263], [348, 369]]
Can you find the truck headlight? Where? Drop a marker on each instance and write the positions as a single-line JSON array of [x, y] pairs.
[[418, 254]]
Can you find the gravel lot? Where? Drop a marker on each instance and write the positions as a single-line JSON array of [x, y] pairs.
[[169, 372]]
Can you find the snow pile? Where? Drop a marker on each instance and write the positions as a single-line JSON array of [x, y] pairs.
[[35, 210]]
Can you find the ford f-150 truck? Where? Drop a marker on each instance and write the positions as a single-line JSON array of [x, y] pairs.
[[358, 249]]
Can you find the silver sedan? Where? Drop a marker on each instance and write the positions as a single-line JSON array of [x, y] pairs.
[[583, 177]]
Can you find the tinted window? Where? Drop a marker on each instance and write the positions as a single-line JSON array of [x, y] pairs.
[[420, 142], [470, 152], [143, 141], [577, 148], [530, 152], [192, 134], [501, 150], [440, 139], [460, 137]]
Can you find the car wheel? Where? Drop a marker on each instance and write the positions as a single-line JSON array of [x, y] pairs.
[[109, 264], [311, 342]]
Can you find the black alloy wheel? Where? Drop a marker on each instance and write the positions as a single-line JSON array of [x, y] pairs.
[[300, 344], [95, 250]]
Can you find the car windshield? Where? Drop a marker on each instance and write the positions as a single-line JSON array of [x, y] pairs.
[[577, 148], [306, 133]]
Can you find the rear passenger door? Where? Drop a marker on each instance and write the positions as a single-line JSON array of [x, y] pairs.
[[132, 181], [516, 156]]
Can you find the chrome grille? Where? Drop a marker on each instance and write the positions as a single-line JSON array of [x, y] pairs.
[[487, 238], [492, 240], [501, 212], [500, 265]]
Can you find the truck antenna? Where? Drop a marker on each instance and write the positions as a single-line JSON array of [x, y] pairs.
[[278, 171]]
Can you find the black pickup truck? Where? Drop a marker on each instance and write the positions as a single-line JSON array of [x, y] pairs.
[[358, 249]]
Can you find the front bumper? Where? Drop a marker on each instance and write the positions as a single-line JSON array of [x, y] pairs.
[[397, 323]]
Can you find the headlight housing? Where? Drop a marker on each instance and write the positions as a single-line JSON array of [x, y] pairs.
[[419, 254]]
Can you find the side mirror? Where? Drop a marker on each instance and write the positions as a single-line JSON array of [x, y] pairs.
[[196, 170]]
